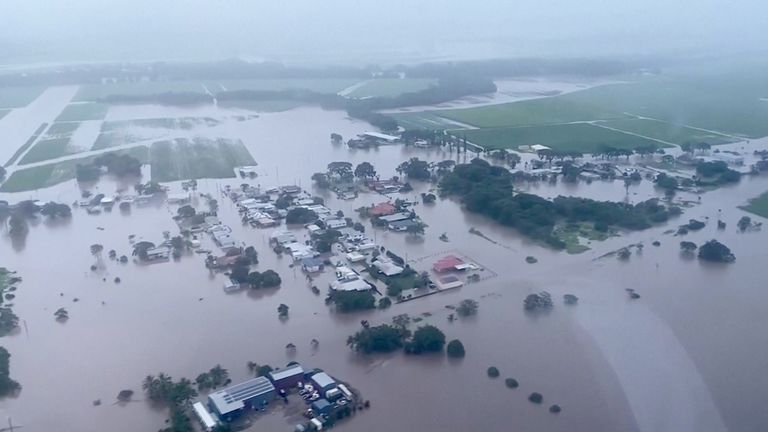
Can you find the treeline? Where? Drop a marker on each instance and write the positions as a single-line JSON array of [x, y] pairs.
[[7, 385], [116, 164], [488, 190]]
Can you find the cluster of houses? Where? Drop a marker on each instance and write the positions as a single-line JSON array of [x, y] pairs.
[[387, 214], [324, 395]]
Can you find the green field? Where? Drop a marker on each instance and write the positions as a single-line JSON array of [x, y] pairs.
[[424, 120], [65, 128], [115, 133], [17, 97], [26, 145], [758, 206], [388, 87], [535, 112], [666, 131], [183, 159], [582, 137], [83, 111], [44, 176], [49, 148]]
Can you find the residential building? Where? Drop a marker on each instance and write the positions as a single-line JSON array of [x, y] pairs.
[[447, 263]]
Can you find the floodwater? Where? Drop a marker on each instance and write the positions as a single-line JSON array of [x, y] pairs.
[[688, 356]]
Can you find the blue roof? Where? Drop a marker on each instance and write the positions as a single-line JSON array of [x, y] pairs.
[[320, 405]]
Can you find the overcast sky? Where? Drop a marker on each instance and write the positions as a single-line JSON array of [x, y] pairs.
[[368, 30]]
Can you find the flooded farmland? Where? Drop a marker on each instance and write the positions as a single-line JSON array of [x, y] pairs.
[[687, 355]]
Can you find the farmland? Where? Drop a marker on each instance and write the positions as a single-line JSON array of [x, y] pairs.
[[582, 137], [758, 206], [45, 149], [83, 111], [666, 131], [17, 97], [321, 85], [26, 145], [54, 173], [199, 158]]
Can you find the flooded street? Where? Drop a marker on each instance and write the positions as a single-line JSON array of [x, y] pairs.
[[687, 356]]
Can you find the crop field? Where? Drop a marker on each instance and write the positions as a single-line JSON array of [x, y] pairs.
[[425, 120], [758, 206], [65, 128], [582, 137], [26, 145], [537, 112], [183, 159], [388, 87], [17, 97], [58, 172], [83, 111], [49, 148], [115, 133], [666, 131]]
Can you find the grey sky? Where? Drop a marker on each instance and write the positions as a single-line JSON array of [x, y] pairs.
[[346, 30]]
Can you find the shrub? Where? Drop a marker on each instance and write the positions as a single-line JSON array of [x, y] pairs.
[[536, 398], [455, 349], [511, 383], [493, 372], [554, 409]]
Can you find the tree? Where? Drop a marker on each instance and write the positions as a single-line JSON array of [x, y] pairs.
[[8, 321], [365, 170], [715, 251], [415, 169], [493, 372], [177, 242], [341, 169], [467, 307], [383, 338], [18, 226], [270, 279], [300, 215], [54, 210], [321, 180], [240, 274], [282, 310], [7, 385], [186, 211], [511, 383], [428, 198], [349, 301], [666, 182], [140, 249], [687, 246], [251, 254], [385, 303], [455, 349], [536, 398], [336, 138], [425, 339], [744, 223]]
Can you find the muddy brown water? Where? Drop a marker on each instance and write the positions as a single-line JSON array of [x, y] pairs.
[[688, 356]]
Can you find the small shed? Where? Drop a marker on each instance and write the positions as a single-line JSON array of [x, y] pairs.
[[321, 406]]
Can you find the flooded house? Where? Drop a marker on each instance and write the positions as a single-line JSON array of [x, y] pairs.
[[382, 209], [312, 265], [447, 263], [402, 225]]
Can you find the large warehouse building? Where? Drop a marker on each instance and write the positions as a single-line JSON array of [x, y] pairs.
[[233, 401]]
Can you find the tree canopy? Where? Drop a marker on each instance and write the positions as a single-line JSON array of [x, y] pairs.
[[383, 338]]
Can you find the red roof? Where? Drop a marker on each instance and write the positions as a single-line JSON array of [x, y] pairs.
[[382, 209], [448, 262]]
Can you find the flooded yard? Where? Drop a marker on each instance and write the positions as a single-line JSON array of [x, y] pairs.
[[687, 355]]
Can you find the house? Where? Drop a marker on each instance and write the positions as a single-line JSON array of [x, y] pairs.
[[323, 382], [539, 147], [395, 217], [447, 263], [350, 285], [403, 225], [300, 251], [158, 253], [290, 190], [312, 265], [282, 237], [107, 201], [386, 266], [312, 228], [344, 273], [335, 223], [382, 209], [354, 257], [449, 282], [231, 286], [207, 422], [231, 402], [287, 378], [178, 198]]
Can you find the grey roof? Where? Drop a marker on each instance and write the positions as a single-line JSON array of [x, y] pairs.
[[396, 217], [323, 380], [404, 223], [320, 405], [231, 398], [286, 373]]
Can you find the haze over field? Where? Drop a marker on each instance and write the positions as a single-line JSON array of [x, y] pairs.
[[42, 31]]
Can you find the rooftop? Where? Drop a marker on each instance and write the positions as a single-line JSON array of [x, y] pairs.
[[323, 380], [382, 209], [231, 398], [396, 217], [381, 136], [286, 373], [448, 262]]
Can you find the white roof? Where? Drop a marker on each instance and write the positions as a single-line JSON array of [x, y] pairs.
[[380, 136], [203, 415], [353, 285], [537, 147]]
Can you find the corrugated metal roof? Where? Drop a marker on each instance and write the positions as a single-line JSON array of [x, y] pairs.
[[323, 380], [231, 398], [286, 373]]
